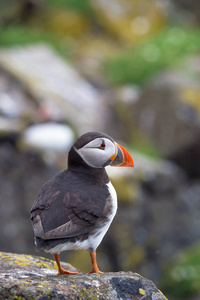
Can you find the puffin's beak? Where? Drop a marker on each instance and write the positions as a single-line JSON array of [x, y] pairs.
[[122, 158]]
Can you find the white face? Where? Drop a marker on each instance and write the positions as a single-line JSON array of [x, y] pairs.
[[97, 152]]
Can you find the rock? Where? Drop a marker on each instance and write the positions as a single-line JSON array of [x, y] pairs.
[[167, 112], [89, 57], [65, 22], [164, 118], [31, 277], [187, 11], [188, 158], [51, 140], [18, 10], [10, 127], [49, 137], [57, 87], [12, 11], [21, 176], [161, 175], [127, 20], [17, 107]]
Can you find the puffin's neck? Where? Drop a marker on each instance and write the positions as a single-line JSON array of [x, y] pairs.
[[77, 164]]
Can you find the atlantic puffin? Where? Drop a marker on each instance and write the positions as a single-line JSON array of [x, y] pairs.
[[74, 209]]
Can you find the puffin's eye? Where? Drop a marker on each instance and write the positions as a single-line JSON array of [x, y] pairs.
[[103, 145]]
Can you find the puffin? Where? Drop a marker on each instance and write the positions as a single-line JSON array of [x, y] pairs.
[[75, 208]]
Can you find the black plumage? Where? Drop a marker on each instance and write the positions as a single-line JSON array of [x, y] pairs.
[[69, 197], [74, 209]]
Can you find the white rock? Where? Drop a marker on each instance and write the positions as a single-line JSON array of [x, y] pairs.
[[49, 137]]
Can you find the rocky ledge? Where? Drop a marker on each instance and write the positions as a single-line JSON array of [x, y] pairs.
[[31, 277]]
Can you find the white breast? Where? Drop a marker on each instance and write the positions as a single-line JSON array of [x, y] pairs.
[[113, 195], [96, 238]]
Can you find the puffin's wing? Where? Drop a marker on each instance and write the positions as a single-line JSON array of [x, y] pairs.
[[85, 207], [81, 222], [48, 214], [60, 214], [66, 230]]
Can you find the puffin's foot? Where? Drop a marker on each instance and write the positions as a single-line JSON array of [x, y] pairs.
[[95, 271], [95, 268], [62, 271]]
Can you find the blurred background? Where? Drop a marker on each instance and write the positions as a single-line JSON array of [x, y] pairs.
[[130, 68]]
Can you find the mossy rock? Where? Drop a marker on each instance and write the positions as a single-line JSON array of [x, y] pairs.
[[129, 20], [65, 22], [30, 277]]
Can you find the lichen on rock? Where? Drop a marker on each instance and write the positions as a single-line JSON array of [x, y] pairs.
[[31, 277]]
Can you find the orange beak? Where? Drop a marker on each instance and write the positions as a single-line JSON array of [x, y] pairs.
[[122, 158]]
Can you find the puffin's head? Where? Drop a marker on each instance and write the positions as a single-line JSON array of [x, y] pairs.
[[99, 150]]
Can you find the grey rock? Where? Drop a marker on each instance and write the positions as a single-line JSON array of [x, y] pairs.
[[60, 91], [17, 107], [17, 10], [163, 175], [21, 177], [12, 11], [164, 115], [31, 277]]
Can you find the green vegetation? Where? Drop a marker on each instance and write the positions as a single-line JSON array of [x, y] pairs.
[[182, 278], [164, 50], [148, 149], [23, 35]]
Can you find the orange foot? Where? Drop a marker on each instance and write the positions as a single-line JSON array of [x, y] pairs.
[[62, 271], [95, 271], [95, 268]]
